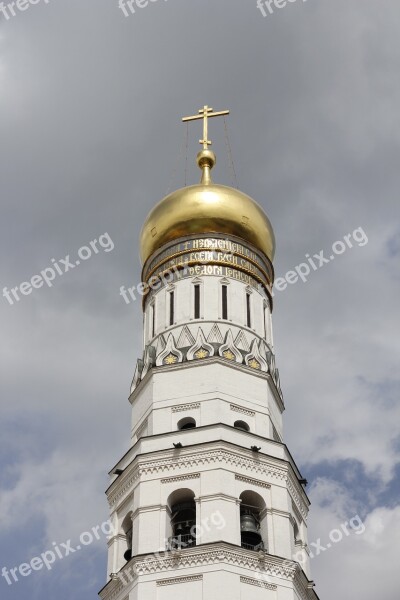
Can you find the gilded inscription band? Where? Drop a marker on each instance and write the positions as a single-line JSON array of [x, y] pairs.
[[203, 246]]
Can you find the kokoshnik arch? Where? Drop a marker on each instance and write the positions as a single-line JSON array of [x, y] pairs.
[[206, 431]]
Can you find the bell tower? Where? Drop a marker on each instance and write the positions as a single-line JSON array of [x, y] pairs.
[[208, 502]]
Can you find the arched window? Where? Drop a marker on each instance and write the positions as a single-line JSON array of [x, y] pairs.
[[183, 519], [252, 521], [127, 536], [186, 423], [248, 309], [224, 299], [197, 301], [241, 425], [171, 307]]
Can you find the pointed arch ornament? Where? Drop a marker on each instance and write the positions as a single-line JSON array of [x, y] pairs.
[[229, 351], [149, 360], [170, 355], [255, 360], [201, 348]]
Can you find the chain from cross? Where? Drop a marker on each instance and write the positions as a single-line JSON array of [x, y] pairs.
[[205, 113]]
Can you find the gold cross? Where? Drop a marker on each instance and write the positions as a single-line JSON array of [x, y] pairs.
[[206, 113]]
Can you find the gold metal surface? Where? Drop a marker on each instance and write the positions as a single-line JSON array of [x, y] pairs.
[[207, 208], [254, 364], [228, 354], [171, 359], [205, 113]]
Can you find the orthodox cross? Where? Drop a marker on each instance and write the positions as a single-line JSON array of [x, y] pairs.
[[206, 113]]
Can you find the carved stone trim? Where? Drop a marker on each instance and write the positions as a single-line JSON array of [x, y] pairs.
[[201, 348], [255, 360], [241, 342], [205, 556], [245, 479], [180, 478], [215, 335], [185, 338], [229, 351], [193, 461], [243, 411], [182, 407], [170, 355], [175, 580], [259, 583]]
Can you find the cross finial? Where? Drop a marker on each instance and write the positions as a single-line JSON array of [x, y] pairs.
[[205, 113]]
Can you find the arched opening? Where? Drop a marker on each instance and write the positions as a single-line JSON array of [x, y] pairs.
[[252, 514], [186, 423], [241, 425], [127, 534], [183, 519]]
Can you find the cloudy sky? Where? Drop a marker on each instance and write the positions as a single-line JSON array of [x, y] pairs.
[[90, 131]]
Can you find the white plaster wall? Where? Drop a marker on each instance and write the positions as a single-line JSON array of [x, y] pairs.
[[210, 306]]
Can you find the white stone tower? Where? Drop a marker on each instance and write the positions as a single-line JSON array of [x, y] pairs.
[[207, 503]]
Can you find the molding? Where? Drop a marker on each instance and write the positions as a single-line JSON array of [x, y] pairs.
[[243, 411], [296, 512], [182, 407], [141, 428], [258, 583], [180, 478], [257, 482], [217, 553], [175, 580], [263, 466], [209, 554]]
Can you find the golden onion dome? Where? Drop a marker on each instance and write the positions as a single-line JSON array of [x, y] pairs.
[[207, 208]]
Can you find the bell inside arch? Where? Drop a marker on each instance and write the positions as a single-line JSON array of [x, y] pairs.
[[250, 529], [128, 554]]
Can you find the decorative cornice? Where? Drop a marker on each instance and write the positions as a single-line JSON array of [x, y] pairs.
[[263, 466], [210, 554], [263, 584], [243, 411], [180, 478], [214, 554], [181, 407], [245, 479], [176, 580]]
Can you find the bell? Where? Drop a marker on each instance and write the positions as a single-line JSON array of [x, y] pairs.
[[249, 528], [128, 554]]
